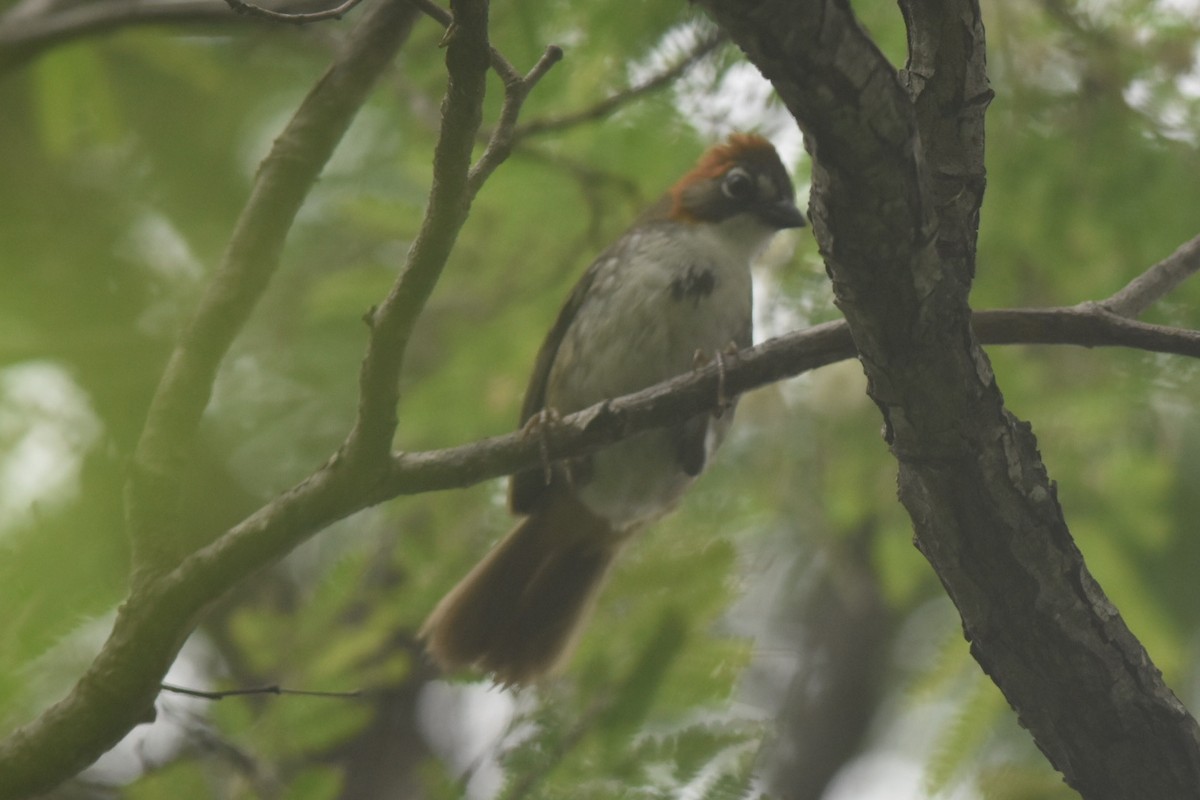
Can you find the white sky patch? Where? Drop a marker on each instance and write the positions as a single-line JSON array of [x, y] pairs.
[[1171, 108], [466, 725], [148, 746], [887, 776], [46, 427], [777, 312], [739, 100], [173, 270], [161, 247], [675, 45], [1184, 8], [1170, 101], [775, 315]]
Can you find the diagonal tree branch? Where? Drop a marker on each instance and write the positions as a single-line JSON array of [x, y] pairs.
[[273, 532], [500, 143], [468, 56], [455, 184], [778, 359], [283, 181], [1153, 284], [118, 689]]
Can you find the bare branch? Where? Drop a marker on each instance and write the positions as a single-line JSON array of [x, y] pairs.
[[500, 143], [274, 689], [455, 184], [250, 9], [776, 359], [1084, 325], [468, 56], [1152, 285], [118, 689], [283, 181], [516, 86]]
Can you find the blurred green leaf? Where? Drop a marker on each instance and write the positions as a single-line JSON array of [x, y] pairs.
[[180, 779], [315, 783]]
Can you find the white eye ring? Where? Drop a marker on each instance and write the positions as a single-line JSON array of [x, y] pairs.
[[738, 185]]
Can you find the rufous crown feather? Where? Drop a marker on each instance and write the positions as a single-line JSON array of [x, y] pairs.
[[743, 174], [717, 159]]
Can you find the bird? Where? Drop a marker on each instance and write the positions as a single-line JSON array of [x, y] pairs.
[[674, 287]]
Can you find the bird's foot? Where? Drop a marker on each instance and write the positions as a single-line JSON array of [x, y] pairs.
[[542, 425], [701, 359]]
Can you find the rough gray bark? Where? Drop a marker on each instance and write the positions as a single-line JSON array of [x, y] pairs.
[[898, 179]]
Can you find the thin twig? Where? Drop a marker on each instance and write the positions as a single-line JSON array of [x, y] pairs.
[[468, 57], [273, 689], [116, 691], [455, 184], [1155, 283], [252, 10], [281, 186], [615, 101]]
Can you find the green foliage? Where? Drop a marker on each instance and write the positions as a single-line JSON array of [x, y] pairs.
[[709, 758], [316, 783], [965, 735], [181, 779]]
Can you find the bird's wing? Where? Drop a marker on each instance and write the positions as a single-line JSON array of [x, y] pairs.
[[526, 488]]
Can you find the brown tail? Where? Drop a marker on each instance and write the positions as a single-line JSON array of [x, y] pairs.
[[518, 612]]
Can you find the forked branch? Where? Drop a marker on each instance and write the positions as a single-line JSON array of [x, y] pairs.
[[171, 588], [250, 260], [455, 184]]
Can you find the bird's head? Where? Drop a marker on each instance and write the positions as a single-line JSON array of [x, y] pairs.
[[742, 175]]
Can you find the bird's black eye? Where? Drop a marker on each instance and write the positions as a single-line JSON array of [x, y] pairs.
[[738, 185]]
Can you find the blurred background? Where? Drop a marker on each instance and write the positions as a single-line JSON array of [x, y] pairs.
[[779, 634]]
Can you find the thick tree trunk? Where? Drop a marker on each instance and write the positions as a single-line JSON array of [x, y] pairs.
[[898, 180]]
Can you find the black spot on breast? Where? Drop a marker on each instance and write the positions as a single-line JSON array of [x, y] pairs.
[[694, 284]]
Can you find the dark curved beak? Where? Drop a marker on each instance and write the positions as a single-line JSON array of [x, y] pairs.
[[782, 214]]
